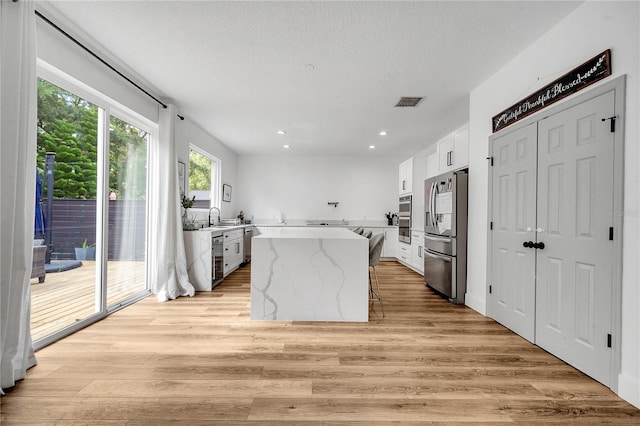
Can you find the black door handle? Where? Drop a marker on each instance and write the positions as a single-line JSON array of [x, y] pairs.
[[538, 245], [527, 244]]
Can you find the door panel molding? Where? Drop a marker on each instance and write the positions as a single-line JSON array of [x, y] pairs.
[[584, 219]]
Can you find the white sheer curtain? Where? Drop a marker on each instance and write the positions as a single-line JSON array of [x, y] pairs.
[[168, 277], [18, 105]]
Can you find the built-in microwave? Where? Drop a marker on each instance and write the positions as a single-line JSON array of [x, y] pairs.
[[404, 219], [404, 206]]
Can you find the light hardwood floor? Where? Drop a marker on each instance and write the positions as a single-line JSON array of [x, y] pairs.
[[201, 360]]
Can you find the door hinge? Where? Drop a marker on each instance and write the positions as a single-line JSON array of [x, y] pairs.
[[491, 225], [608, 340], [613, 122], [611, 233], [490, 161], [490, 289]]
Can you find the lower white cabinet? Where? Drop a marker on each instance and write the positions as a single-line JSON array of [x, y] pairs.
[[411, 255], [232, 251], [404, 252], [198, 250], [417, 257], [390, 240]]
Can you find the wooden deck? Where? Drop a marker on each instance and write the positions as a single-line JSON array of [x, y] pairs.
[[67, 297], [201, 361]]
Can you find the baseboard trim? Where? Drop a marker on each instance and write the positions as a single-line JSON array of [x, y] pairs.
[[629, 389], [475, 303]]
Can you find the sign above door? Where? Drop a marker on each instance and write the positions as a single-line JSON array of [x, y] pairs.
[[575, 80]]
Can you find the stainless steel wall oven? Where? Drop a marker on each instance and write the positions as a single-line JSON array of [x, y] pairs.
[[404, 219]]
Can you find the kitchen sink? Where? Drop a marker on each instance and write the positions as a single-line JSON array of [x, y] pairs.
[[327, 223]]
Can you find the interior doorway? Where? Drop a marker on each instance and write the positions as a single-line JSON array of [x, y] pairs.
[[553, 274]]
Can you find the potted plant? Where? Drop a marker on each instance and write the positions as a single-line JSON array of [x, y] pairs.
[[390, 216], [186, 204], [86, 251]]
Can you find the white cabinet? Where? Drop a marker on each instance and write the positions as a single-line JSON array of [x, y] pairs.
[[453, 150], [199, 252], [404, 252], [433, 168], [460, 140], [390, 240], [411, 254], [405, 177], [417, 243], [232, 251], [445, 153]]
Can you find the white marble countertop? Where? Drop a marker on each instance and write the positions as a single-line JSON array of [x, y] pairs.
[[221, 229], [315, 232], [302, 225], [309, 274]]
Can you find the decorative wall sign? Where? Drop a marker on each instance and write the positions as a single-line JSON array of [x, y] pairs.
[[575, 80]]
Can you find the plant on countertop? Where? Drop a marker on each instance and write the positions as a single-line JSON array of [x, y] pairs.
[[390, 217], [187, 202]]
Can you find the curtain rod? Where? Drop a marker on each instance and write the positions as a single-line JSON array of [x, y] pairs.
[[44, 18]]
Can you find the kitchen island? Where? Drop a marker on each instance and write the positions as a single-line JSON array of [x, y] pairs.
[[309, 274]]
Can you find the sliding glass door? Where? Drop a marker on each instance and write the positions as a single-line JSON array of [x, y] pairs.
[[127, 210], [66, 211], [91, 214]]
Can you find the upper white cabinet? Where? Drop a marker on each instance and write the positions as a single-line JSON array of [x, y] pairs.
[[405, 177], [453, 150], [460, 147], [433, 168]]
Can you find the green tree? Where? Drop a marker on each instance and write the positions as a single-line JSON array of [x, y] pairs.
[[199, 172], [67, 126]]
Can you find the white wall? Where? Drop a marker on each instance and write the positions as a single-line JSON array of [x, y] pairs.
[[300, 187], [60, 52], [187, 132], [590, 29]]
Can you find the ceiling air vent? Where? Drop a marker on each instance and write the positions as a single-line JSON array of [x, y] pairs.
[[408, 101]]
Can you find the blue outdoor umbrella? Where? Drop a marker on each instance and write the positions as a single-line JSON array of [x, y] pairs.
[[38, 228]]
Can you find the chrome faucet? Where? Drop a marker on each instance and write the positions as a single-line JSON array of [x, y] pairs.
[[210, 215]]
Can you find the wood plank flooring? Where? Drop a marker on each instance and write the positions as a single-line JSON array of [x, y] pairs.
[[69, 296], [202, 361]]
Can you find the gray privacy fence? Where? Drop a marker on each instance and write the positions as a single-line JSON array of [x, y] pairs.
[[74, 221]]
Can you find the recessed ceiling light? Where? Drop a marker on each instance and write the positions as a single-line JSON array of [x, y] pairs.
[[281, 132], [372, 147], [286, 146], [383, 133]]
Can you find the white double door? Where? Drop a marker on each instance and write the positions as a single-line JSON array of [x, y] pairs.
[[551, 266]]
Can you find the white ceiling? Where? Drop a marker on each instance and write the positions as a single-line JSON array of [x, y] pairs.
[[242, 70]]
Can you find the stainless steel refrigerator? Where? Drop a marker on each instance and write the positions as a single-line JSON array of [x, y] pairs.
[[445, 234]]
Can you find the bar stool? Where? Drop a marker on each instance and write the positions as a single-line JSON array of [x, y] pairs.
[[375, 251]]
